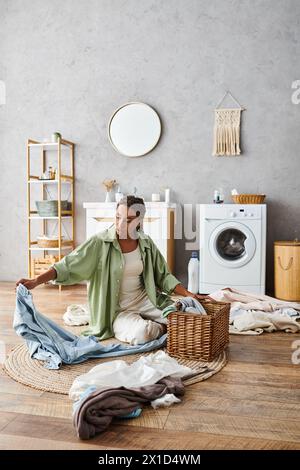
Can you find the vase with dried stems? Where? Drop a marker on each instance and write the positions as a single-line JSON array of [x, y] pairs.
[[109, 185]]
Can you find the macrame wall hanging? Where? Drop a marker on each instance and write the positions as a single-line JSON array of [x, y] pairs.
[[227, 129]]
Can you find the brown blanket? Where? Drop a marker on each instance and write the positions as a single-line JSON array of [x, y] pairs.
[[96, 411]]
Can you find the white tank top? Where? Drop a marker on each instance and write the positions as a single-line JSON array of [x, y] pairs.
[[132, 289]]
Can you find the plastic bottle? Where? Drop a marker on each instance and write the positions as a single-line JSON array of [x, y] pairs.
[[167, 195], [118, 194], [193, 273], [216, 196]]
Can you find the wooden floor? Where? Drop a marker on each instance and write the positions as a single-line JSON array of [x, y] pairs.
[[253, 403]]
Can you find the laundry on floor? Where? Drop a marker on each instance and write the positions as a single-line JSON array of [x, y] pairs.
[[185, 304], [167, 400], [145, 371], [256, 322], [77, 315], [133, 414], [48, 342], [96, 411], [118, 389], [252, 314], [248, 301]]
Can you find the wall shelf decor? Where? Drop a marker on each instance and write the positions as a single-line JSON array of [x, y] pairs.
[[227, 128]]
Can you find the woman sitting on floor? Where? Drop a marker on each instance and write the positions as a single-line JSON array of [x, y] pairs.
[[129, 279]]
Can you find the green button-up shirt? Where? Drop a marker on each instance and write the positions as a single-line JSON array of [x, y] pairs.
[[100, 261]]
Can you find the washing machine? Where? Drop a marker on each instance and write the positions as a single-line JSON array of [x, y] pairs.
[[232, 247]]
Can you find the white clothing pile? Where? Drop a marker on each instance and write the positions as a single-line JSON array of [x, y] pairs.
[[147, 370]]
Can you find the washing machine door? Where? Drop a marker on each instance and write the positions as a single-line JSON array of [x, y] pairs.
[[232, 244]]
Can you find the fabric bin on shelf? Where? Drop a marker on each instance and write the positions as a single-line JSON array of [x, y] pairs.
[[49, 208]]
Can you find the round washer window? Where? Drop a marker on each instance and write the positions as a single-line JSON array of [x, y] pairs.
[[230, 244]]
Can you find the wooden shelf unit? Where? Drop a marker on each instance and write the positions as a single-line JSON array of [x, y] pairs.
[[61, 179]]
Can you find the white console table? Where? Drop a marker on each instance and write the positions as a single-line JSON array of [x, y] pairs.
[[158, 223]]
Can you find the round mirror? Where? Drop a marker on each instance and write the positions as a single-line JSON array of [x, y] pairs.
[[134, 129]]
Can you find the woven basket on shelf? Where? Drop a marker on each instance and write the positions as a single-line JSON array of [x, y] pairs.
[[248, 198], [196, 336], [48, 242]]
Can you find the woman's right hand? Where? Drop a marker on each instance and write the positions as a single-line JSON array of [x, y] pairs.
[[29, 283]]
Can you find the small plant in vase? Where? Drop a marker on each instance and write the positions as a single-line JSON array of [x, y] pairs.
[[109, 185]]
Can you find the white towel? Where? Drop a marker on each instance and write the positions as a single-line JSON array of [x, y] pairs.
[[76, 315]]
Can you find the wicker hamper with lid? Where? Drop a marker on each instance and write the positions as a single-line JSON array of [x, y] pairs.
[[287, 270], [196, 336]]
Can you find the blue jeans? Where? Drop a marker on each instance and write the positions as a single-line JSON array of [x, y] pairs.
[[48, 342]]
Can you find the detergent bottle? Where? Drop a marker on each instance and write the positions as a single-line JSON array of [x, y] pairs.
[[193, 273]]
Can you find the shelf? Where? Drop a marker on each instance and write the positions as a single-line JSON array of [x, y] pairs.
[[38, 217], [112, 205], [67, 244], [45, 152], [63, 179], [50, 145], [63, 214], [66, 247]]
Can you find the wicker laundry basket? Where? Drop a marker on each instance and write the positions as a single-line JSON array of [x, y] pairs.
[[196, 336], [287, 270]]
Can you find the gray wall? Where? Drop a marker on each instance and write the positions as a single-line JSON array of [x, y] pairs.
[[67, 65]]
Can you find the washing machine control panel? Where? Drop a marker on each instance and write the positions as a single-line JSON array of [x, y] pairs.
[[241, 213], [233, 211]]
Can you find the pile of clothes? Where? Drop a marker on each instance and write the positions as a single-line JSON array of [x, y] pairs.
[[252, 314], [118, 389], [110, 389], [185, 304]]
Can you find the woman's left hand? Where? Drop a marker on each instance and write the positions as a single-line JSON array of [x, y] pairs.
[[181, 290], [202, 297]]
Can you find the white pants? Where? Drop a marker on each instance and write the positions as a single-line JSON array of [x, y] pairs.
[[138, 328]]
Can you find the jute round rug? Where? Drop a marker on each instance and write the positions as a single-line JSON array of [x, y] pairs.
[[32, 372]]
